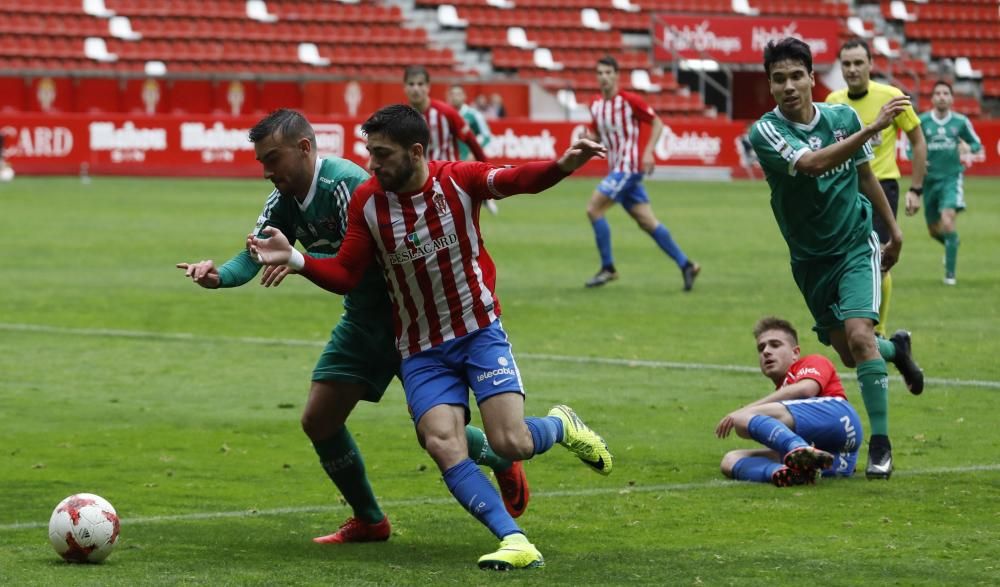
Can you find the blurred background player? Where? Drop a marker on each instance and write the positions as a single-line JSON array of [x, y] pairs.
[[309, 203], [807, 409], [419, 220], [944, 198], [477, 124], [617, 116], [447, 126], [867, 97], [6, 171], [815, 158]]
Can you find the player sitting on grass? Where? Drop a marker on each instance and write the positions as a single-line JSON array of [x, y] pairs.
[[420, 220], [806, 423]]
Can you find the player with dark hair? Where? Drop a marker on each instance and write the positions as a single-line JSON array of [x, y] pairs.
[[309, 203], [823, 193], [867, 97], [617, 116], [806, 423], [944, 131], [447, 127], [420, 220]]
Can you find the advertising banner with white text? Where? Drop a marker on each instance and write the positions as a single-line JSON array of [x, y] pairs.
[[203, 146], [735, 39]]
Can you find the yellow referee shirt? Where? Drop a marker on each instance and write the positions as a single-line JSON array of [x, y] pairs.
[[884, 165]]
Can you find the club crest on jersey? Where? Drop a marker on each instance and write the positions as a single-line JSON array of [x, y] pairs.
[[815, 143], [838, 134], [440, 203]]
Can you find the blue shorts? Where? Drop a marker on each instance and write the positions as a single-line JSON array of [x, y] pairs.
[[481, 360], [830, 424], [624, 188]]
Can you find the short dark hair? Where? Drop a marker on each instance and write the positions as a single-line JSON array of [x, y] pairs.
[[609, 61], [290, 124], [941, 82], [790, 49], [856, 42], [401, 123], [775, 323], [412, 70]]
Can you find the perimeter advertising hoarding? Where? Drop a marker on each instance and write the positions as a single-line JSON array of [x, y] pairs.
[[182, 146]]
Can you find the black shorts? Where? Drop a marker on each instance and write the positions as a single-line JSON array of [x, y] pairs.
[[891, 189]]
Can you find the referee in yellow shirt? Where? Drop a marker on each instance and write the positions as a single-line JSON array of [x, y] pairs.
[[867, 97]]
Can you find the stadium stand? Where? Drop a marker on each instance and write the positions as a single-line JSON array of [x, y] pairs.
[[552, 42]]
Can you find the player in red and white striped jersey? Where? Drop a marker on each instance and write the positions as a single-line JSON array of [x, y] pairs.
[[446, 124], [617, 118], [420, 221]]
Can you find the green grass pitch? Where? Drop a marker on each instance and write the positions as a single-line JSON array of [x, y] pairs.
[[181, 406]]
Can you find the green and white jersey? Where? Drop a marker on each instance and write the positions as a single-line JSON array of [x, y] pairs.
[[480, 128], [818, 216], [319, 222], [942, 142]]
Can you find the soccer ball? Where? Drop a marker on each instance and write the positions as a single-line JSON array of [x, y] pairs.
[[84, 528], [6, 173]]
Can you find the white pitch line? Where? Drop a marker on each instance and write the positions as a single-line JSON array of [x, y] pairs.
[[580, 360], [602, 491]]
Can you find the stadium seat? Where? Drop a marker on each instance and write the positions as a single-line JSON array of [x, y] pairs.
[[448, 17], [640, 81], [95, 48], [543, 59]]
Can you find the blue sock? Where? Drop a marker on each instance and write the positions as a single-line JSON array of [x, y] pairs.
[[602, 232], [666, 242], [757, 469], [544, 432], [474, 491], [774, 435]]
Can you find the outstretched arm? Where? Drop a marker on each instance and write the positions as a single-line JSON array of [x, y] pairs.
[[816, 163], [338, 274], [532, 178]]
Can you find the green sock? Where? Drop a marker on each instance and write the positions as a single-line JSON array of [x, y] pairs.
[[950, 253], [480, 451], [886, 348], [341, 459], [873, 377]]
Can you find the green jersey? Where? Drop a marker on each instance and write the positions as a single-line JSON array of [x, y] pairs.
[[480, 128], [818, 216], [942, 142], [319, 222]]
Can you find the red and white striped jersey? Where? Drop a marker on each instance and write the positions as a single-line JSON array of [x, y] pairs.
[[441, 279], [616, 123], [446, 126]]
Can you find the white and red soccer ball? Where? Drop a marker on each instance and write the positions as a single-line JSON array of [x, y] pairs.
[[84, 528]]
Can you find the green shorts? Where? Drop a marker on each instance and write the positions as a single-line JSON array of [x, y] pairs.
[[842, 287], [362, 349], [942, 193]]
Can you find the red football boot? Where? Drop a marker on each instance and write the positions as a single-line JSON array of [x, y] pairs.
[[355, 530], [514, 489]]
